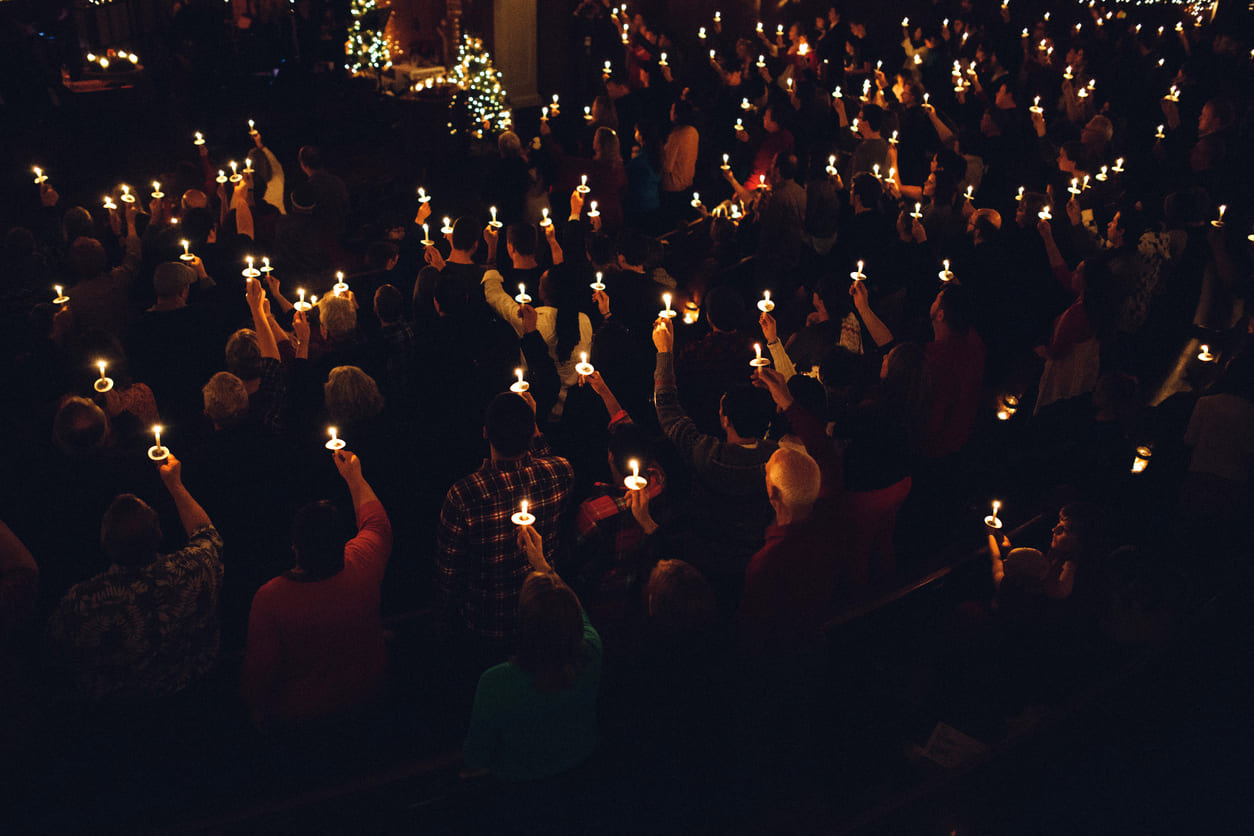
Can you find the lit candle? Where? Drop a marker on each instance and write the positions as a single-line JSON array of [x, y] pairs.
[[712, 54], [1118, 169], [918, 211], [1141, 461], [252, 128], [831, 165], [582, 188], [187, 255], [992, 521], [587, 113], [200, 139], [335, 443], [248, 165], [696, 200], [926, 96], [340, 287], [157, 194], [544, 113], [157, 452], [762, 181], [583, 367], [520, 385], [426, 236], [598, 284], [1219, 222], [858, 275], [104, 384], [701, 33], [494, 223], [667, 313], [423, 197], [892, 140], [592, 213], [235, 175], [635, 481], [221, 176], [836, 94], [758, 360], [1102, 175], [522, 517], [1036, 105], [40, 177], [1075, 185], [302, 305], [946, 275], [250, 272], [265, 265], [726, 166], [447, 229], [662, 61], [61, 298], [127, 197], [765, 304], [522, 298], [1205, 355]]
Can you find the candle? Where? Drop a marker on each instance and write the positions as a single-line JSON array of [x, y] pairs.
[[762, 181], [340, 287], [519, 386], [157, 452], [265, 265], [1036, 105], [1067, 74], [726, 166], [447, 229], [1118, 169], [635, 481], [127, 197], [522, 298], [598, 284], [587, 113], [335, 443], [892, 140], [858, 275], [156, 190], [606, 70], [831, 165], [423, 197], [765, 304], [992, 521], [248, 165], [252, 128], [696, 200], [61, 298], [235, 175], [545, 220], [875, 171], [836, 94], [40, 177], [104, 384], [544, 113], [1045, 214], [712, 54], [1102, 175], [582, 188], [667, 313], [583, 367], [302, 305], [250, 272], [1219, 222], [494, 223], [758, 360], [1205, 355], [701, 33], [779, 30], [1075, 185], [200, 139], [522, 517], [221, 176], [1141, 461], [592, 213], [946, 275], [187, 255], [926, 96], [662, 61], [761, 61]]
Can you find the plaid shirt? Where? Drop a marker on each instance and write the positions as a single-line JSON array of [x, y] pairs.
[[144, 631], [479, 568]]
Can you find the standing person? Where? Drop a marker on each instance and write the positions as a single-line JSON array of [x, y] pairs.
[[148, 626], [315, 636], [679, 159]]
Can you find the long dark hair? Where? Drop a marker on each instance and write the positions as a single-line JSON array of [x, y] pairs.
[[563, 286], [550, 632]]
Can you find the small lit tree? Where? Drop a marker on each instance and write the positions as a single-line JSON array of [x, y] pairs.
[[479, 95], [366, 47]]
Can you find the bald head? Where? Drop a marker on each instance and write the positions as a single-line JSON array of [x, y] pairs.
[[194, 199], [792, 480]]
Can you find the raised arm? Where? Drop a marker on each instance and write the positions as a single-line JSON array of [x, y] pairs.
[[692, 444], [266, 343], [191, 514], [779, 355], [878, 330]]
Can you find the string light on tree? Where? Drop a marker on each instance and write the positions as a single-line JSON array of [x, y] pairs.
[[365, 48]]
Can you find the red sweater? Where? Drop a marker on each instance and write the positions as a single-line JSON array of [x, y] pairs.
[[315, 648]]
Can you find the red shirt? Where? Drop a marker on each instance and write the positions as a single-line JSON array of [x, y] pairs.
[[956, 367], [315, 648]]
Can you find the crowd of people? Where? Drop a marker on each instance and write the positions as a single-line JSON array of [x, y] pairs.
[[774, 293]]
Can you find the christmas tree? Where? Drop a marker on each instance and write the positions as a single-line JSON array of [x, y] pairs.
[[479, 95], [366, 47]]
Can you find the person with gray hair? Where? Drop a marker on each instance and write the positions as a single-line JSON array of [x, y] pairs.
[[351, 396]]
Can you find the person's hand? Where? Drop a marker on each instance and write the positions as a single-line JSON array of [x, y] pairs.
[[968, 209], [532, 545], [254, 293], [1074, 213], [545, 130], [347, 463], [773, 382], [663, 337], [1171, 111], [171, 472], [576, 204], [861, 298], [132, 212], [639, 503], [728, 176], [550, 233], [838, 105], [918, 232], [530, 318], [769, 329], [433, 257], [531, 402], [272, 284], [602, 300], [62, 323], [596, 223], [1045, 229], [256, 140], [1038, 122], [300, 327], [881, 80], [47, 195], [199, 266], [224, 196], [424, 212], [666, 74], [491, 237]]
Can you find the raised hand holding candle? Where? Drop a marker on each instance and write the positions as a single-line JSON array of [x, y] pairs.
[[635, 481], [522, 517], [592, 213], [765, 304], [157, 452], [945, 274], [252, 128], [858, 275], [545, 220], [104, 384], [127, 197], [582, 188], [991, 521], [494, 223], [726, 166], [426, 236], [61, 298], [918, 211], [520, 385], [522, 298], [40, 177], [666, 313], [583, 367], [758, 360]]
